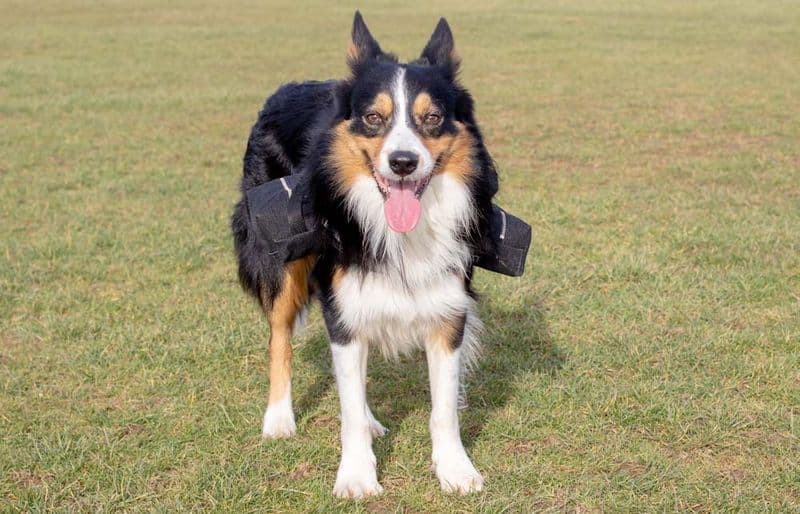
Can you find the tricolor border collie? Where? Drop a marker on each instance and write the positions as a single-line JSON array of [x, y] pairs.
[[402, 184]]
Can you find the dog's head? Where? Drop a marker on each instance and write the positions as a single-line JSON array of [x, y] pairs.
[[401, 125]]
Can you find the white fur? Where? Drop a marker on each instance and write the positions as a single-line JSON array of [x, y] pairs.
[[401, 137], [375, 427], [357, 476], [450, 461], [279, 418], [431, 249]]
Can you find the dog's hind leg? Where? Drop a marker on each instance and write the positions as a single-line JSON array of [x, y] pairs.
[[282, 311], [375, 426]]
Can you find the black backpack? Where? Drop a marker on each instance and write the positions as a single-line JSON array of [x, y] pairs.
[[280, 214]]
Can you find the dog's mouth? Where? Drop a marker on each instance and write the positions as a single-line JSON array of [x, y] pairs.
[[401, 201]]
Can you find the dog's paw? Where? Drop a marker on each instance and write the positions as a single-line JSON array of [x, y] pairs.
[[456, 474], [357, 479], [375, 426], [278, 423]]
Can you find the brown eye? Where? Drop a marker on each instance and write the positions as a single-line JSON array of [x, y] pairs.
[[373, 118], [433, 118]]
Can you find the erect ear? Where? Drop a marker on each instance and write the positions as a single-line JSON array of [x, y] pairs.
[[363, 46], [441, 49]]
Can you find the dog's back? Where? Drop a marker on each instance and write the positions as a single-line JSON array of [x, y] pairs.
[[280, 137]]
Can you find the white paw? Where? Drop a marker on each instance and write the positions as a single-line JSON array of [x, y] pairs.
[[375, 426], [357, 478], [278, 422], [457, 474]]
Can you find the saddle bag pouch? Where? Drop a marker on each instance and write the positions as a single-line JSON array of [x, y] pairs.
[[281, 218], [512, 238], [280, 215]]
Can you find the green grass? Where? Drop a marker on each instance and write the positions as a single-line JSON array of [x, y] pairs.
[[648, 361]]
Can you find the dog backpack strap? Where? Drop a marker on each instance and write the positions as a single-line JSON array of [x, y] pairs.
[[306, 238], [294, 207]]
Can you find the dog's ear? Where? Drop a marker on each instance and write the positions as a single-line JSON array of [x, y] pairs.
[[363, 46], [441, 49]]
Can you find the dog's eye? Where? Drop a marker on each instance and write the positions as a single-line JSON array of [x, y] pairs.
[[433, 118], [373, 118]]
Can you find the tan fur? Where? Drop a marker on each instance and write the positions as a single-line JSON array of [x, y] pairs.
[[444, 335], [353, 53], [336, 279], [383, 105], [281, 316], [454, 152], [422, 106], [347, 155]]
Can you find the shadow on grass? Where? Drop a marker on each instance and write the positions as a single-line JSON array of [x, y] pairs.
[[316, 351], [516, 343]]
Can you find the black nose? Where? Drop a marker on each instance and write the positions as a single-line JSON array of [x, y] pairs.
[[403, 163]]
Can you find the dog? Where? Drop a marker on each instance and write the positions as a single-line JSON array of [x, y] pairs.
[[402, 183]]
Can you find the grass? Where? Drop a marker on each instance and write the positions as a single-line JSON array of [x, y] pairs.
[[647, 361]]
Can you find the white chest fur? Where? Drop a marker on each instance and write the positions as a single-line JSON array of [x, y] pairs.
[[375, 308], [420, 282]]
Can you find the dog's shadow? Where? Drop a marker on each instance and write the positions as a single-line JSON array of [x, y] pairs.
[[516, 343]]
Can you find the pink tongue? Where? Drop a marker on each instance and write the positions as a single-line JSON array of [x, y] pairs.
[[402, 208]]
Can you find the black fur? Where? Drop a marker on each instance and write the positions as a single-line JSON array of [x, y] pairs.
[[276, 148]]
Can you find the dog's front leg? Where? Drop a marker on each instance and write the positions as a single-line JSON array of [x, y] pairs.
[[450, 461], [357, 476]]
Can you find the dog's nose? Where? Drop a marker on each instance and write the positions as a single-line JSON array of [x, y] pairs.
[[403, 163]]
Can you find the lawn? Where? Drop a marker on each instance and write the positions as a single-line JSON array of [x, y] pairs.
[[649, 359]]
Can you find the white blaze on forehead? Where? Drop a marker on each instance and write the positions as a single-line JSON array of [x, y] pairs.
[[401, 137]]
